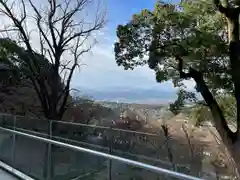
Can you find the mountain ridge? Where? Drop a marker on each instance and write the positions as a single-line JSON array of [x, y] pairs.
[[128, 95]]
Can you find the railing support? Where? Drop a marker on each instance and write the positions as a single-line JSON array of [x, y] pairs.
[[49, 154], [14, 140], [110, 152]]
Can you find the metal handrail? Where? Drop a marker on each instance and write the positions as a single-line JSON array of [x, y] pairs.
[[104, 127], [88, 125], [108, 156], [98, 146]]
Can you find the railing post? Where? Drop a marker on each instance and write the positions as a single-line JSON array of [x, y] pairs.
[[110, 141], [14, 140], [49, 153]]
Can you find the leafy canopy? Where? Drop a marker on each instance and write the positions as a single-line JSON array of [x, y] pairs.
[[193, 30]]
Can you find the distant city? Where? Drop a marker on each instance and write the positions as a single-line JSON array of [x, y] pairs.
[[128, 95]]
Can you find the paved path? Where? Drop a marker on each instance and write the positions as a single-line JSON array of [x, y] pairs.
[[6, 176]]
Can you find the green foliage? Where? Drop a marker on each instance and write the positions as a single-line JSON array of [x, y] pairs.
[[17, 93], [183, 98], [192, 29], [16, 57], [227, 103], [200, 114]]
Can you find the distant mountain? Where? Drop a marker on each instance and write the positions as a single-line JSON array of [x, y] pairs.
[[129, 95]]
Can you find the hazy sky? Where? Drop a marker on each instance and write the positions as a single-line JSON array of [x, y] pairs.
[[101, 71]]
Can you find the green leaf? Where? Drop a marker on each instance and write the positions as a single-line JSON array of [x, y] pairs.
[[192, 29]]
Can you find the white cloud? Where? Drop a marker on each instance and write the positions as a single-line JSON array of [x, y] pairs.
[[101, 70], [83, 17]]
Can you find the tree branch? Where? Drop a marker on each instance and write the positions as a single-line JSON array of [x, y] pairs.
[[50, 22], [38, 19], [220, 7], [82, 33], [183, 75], [67, 87], [57, 33], [219, 119]]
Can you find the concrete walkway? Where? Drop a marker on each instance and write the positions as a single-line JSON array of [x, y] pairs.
[[6, 176]]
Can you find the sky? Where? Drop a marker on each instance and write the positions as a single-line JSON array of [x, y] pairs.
[[100, 70]]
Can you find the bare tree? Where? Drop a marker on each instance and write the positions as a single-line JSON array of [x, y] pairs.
[[61, 34]]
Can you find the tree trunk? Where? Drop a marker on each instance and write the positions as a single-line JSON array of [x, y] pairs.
[[234, 50], [229, 138]]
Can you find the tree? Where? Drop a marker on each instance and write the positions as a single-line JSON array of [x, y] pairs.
[[85, 110], [195, 39], [17, 93], [59, 35], [183, 96]]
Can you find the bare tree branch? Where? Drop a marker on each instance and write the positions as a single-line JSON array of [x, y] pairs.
[[190, 145], [75, 64], [24, 13], [50, 21], [60, 32], [38, 19]]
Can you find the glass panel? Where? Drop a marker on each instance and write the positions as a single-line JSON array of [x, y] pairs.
[[6, 147], [32, 124], [7, 120], [124, 171], [92, 137], [135, 142], [69, 164], [30, 157]]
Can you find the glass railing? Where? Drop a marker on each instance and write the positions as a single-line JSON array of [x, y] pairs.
[[44, 158], [142, 146]]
